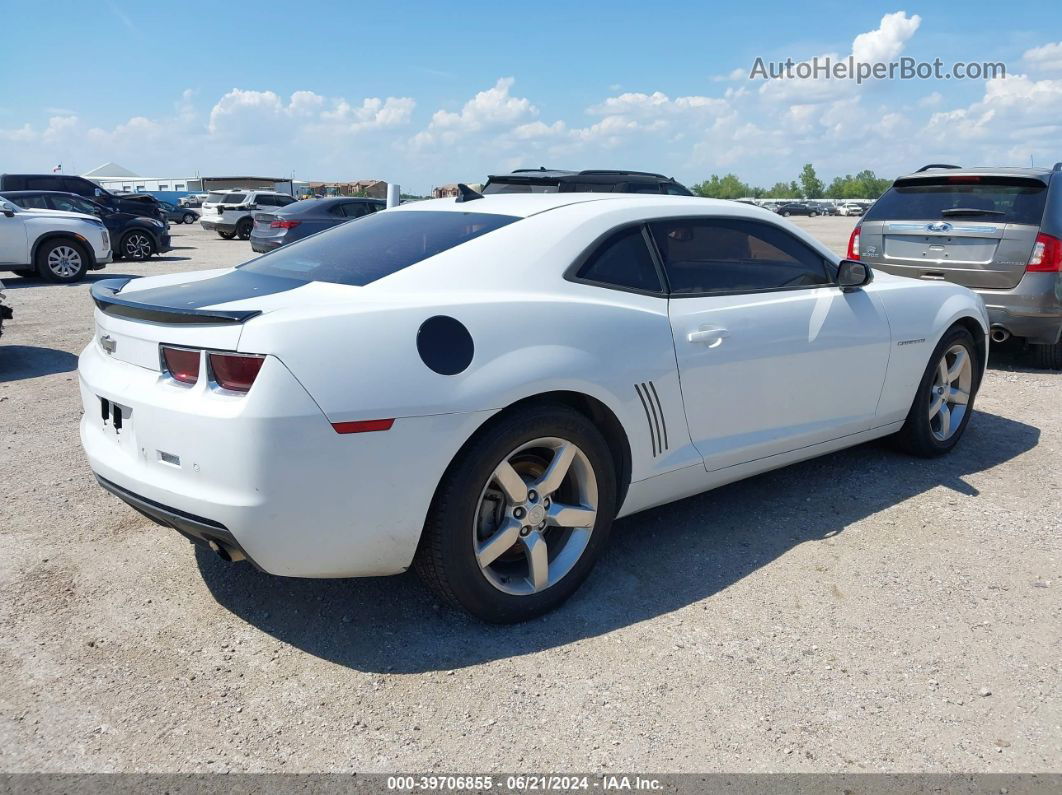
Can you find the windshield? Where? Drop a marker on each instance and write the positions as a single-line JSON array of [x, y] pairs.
[[998, 199], [369, 248]]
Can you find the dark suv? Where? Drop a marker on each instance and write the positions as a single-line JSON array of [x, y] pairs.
[[997, 231], [133, 237], [544, 180], [146, 204]]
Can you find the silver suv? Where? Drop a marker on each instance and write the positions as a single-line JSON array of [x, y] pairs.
[[997, 231]]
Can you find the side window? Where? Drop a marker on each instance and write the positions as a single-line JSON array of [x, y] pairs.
[[283, 201], [264, 201], [82, 187], [69, 204], [623, 260], [357, 209], [734, 255], [33, 202]]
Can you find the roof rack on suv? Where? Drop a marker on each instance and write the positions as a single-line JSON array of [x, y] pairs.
[[935, 165]]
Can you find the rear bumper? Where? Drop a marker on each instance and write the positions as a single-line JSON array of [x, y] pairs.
[[1032, 310], [265, 473], [196, 529], [164, 243], [265, 245], [217, 225]]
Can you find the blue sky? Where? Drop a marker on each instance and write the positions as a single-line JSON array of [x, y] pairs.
[[426, 93]]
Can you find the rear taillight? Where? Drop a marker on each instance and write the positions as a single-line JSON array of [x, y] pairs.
[[284, 224], [1046, 254], [853, 245], [235, 371], [181, 363]]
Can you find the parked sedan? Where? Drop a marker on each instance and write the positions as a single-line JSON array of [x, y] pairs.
[[798, 208], [306, 217], [476, 388], [178, 215], [135, 237]]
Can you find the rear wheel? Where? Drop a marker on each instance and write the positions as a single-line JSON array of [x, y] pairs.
[[944, 400], [62, 261], [227, 235], [136, 245], [244, 227], [189, 218], [785, 214], [521, 516], [1049, 357]]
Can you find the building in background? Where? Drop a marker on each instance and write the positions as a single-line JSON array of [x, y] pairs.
[[118, 179], [373, 188]]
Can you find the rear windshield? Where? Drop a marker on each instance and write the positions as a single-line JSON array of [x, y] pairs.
[[519, 186], [226, 198], [369, 248], [998, 199]]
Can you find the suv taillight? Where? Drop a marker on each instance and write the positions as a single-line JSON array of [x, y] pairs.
[[1046, 254], [235, 371], [853, 244]]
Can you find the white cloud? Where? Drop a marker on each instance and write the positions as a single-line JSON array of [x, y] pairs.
[[1046, 59], [490, 109], [888, 40]]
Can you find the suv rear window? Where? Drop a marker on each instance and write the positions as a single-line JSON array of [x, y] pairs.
[[226, 198], [367, 249], [1003, 200]]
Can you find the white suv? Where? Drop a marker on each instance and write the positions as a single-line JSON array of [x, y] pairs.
[[59, 246], [231, 212]]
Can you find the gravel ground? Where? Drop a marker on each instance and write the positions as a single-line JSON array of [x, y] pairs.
[[865, 611]]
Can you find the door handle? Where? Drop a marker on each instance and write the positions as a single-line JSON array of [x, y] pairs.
[[713, 336]]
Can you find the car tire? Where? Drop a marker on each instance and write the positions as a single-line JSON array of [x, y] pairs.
[[533, 568], [62, 261], [189, 218], [243, 228], [813, 215], [931, 428], [227, 235], [1048, 357], [136, 245], [785, 214]]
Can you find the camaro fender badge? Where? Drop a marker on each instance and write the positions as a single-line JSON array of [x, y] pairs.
[[911, 342], [108, 343]]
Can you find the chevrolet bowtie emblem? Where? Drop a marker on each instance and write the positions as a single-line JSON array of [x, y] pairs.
[[108, 343]]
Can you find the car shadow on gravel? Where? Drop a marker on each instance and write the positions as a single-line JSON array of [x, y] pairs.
[[18, 362], [657, 561], [21, 282]]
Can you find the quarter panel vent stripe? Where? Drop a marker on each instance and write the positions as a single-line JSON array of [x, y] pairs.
[[654, 416]]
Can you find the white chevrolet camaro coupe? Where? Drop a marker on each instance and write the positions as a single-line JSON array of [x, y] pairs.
[[477, 387]]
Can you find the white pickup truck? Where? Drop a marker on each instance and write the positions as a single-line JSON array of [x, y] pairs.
[[58, 246]]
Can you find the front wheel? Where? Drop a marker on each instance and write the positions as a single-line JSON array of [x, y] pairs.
[[521, 516], [945, 397], [189, 218], [243, 229], [785, 214], [62, 261]]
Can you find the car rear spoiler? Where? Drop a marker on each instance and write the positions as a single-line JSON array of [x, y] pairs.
[[105, 295]]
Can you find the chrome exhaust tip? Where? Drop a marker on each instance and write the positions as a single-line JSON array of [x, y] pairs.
[[225, 553], [999, 334]]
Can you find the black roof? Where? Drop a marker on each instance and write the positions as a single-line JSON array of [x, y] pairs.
[[595, 175]]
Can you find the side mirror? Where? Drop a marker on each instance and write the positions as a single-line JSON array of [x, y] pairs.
[[9, 213], [852, 274]]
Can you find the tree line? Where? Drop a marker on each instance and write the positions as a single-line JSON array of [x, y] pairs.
[[864, 185]]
